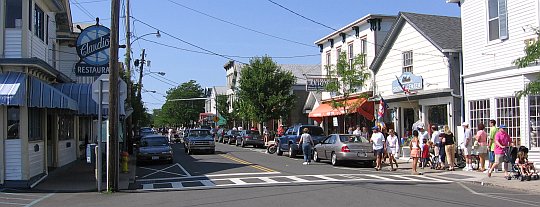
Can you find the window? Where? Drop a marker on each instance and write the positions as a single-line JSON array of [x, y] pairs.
[[35, 119], [13, 14], [54, 55], [328, 63], [47, 30], [508, 114], [65, 127], [13, 123], [408, 61], [479, 113], [363, 50], [338, 53], [534, 119], [39, 22], [351, 54], [497, 20], [30, 12]]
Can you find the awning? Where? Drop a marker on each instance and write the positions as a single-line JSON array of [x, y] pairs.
[[41, 95], [82, 92], [361, 106]]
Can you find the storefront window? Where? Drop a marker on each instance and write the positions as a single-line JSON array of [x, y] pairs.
[[508, 114], [13, 123], [35, 120], [65, 127], [479, 113], [438, 115], [534, 119]]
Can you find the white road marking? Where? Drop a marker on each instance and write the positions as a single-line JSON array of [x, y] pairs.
[[159, 170], [269, 180], [40, 199], [406, 177], [207, 183], [379, 177], [177, 185], [237, 181], [325, 177], [183, 169], [237, 174], [296, 179], [9, 198], [8, 203], [148, 186], [520, 201]]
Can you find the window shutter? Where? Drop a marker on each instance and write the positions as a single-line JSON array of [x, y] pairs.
[[503, 20]]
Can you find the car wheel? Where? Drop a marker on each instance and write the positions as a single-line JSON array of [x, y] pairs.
[[292, 152], [316, 157], [185, 149], [334, 160], [213, 151], [189, 151], [278, 150]]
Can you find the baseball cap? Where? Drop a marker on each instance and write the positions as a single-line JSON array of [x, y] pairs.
[[375, 128], [502, 126], [465, 124]]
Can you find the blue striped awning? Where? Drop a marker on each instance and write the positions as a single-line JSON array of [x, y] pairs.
[[41, 95], [82, 92]]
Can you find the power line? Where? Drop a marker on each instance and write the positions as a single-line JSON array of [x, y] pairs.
[[240, 26], [77, 4], [88, 2]]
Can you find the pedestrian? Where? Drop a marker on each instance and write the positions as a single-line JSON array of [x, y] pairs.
[[392, 148], [358, 131], [377, 138], [425, 152], [307, 144], [502, 141], [422, 133], [436, 140], [449, 147], [466, 145], [170, 134], [365, 132], [481, 138], [350, 130], [414, 145], [491, 142], [280, 130]]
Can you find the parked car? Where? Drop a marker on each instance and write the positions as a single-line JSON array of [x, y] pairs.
[[250, 137], [289, 141], [340, 148], [199, 139], [155, 148], [230, 136]]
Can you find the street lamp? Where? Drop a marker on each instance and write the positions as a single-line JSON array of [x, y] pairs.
[[158, 35]]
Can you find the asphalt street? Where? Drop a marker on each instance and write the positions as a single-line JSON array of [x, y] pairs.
[[237, 176]]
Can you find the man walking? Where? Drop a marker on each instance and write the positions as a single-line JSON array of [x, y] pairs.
[[502, 140], [436, 144], [466, 145], [377, 138], [491, 142]]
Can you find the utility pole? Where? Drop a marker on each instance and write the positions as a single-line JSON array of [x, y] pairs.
[[141, 69], [129, 121], [112, 167]]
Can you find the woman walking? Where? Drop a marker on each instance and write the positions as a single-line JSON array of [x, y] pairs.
[[449, 149], [392, 148], [307, 144], [481, 138], [414, 145]]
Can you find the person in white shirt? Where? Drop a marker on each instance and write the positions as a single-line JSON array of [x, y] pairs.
[[392, 148], [170, 135], [357, 132], [436, 143], [422, 133], [466, 145], [377, 138]]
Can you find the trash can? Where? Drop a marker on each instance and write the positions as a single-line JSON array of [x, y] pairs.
[[91, 153]]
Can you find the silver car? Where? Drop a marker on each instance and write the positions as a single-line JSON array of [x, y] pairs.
[[339, 148]]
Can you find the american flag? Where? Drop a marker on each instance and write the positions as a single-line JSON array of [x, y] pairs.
[[405, 89], [382, 108]]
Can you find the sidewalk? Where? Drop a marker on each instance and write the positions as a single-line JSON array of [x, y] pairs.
[[80, 177], [497, 178]]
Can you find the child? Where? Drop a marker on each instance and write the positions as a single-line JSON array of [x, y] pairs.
[[425, 152], [522, 161]]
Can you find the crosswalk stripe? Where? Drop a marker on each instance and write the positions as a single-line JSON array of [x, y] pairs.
[[325, 178], [237, 181], [177, 185], [296, 179], [405, 177], [269, 180], [207, 183], [379, 177], [148, 186]]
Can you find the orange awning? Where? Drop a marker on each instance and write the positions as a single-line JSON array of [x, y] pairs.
[[355, 105]]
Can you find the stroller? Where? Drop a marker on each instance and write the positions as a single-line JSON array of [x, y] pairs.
[[524, 170]]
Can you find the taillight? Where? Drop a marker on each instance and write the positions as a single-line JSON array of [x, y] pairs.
[[345, 149]]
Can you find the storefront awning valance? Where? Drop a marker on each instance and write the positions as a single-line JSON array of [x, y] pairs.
[[82, 92], [41, 95], [356, 105]]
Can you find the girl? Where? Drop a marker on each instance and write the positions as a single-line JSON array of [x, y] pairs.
[[392, 148], [449, 149], [414, 145], [481, 138], [425, 153]]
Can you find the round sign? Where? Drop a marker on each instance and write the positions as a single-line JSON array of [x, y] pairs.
[[93, 45]]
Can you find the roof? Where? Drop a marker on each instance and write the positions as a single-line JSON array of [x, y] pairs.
[[360, 21], [38, 63], [220, 90], [299, 71], [443, 32]]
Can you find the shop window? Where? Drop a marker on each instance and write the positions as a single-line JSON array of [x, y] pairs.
[[479, 113], [35, 124], [13, 123], [13, 14], [65, 127], [508, 114], [363, 50], [408, 61], [534, 119], [438, 115], [39, 22]]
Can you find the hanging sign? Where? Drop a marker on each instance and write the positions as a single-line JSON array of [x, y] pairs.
[[315, 83], [93, 50], [407, 82]]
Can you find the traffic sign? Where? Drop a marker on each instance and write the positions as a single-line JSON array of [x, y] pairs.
[[104, 79], [216, 119]]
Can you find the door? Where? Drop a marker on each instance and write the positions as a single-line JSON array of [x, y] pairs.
[[51, 142], [329, 146]]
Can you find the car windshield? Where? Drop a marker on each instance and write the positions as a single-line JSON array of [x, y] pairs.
[[250, 132], [199, 133], [154, 142], [352, 139], [314, 131]]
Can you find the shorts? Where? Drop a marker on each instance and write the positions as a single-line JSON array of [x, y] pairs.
[[436, 149], [491, 156], [467, 151], [378, 152], [392, 150], [481, 149], [415, 153], [499, 159]]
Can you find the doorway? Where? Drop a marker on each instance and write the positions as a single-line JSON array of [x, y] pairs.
[[51, 142], [408, 120]]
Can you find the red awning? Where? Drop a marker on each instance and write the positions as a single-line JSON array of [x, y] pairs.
[[356, 105]]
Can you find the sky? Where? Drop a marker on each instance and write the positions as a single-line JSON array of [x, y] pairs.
[[194, 31]]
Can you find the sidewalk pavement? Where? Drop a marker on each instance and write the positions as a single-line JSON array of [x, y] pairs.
[[497, 178], [80, 177]]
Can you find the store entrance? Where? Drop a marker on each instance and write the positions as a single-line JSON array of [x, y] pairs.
[[408, 121]]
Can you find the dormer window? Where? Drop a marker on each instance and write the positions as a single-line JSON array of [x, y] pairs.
[[408, 61]]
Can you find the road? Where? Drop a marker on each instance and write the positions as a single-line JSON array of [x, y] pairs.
[[237, 176]]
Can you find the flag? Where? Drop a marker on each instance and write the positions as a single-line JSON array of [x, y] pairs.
[[405, 89], [382, 108]]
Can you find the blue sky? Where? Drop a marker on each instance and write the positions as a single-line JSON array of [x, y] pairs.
[[172, 17]]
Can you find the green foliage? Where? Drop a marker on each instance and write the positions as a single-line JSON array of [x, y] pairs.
[[222, 106], [265, 91], [181, 112], [346, 78], [532, 55]]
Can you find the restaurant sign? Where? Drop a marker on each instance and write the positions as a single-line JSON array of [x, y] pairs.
[[317, 83], [93, 50], [407, 82]]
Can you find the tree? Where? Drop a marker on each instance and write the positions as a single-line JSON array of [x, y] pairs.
[[222, 107], [345, 79], [177, 112], [532, 55], [265, 91]]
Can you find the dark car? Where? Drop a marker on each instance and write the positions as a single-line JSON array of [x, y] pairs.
[[344, 147], [155, 148], [199, 139], [230, 136], [250, 137], [289, 141]]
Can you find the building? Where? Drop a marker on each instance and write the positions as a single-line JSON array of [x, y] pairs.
[[212, 93], [297, 115], [422, 53], [363, 36], [495, 33]]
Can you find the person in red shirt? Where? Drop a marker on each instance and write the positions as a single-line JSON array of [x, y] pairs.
[[425, 153]]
